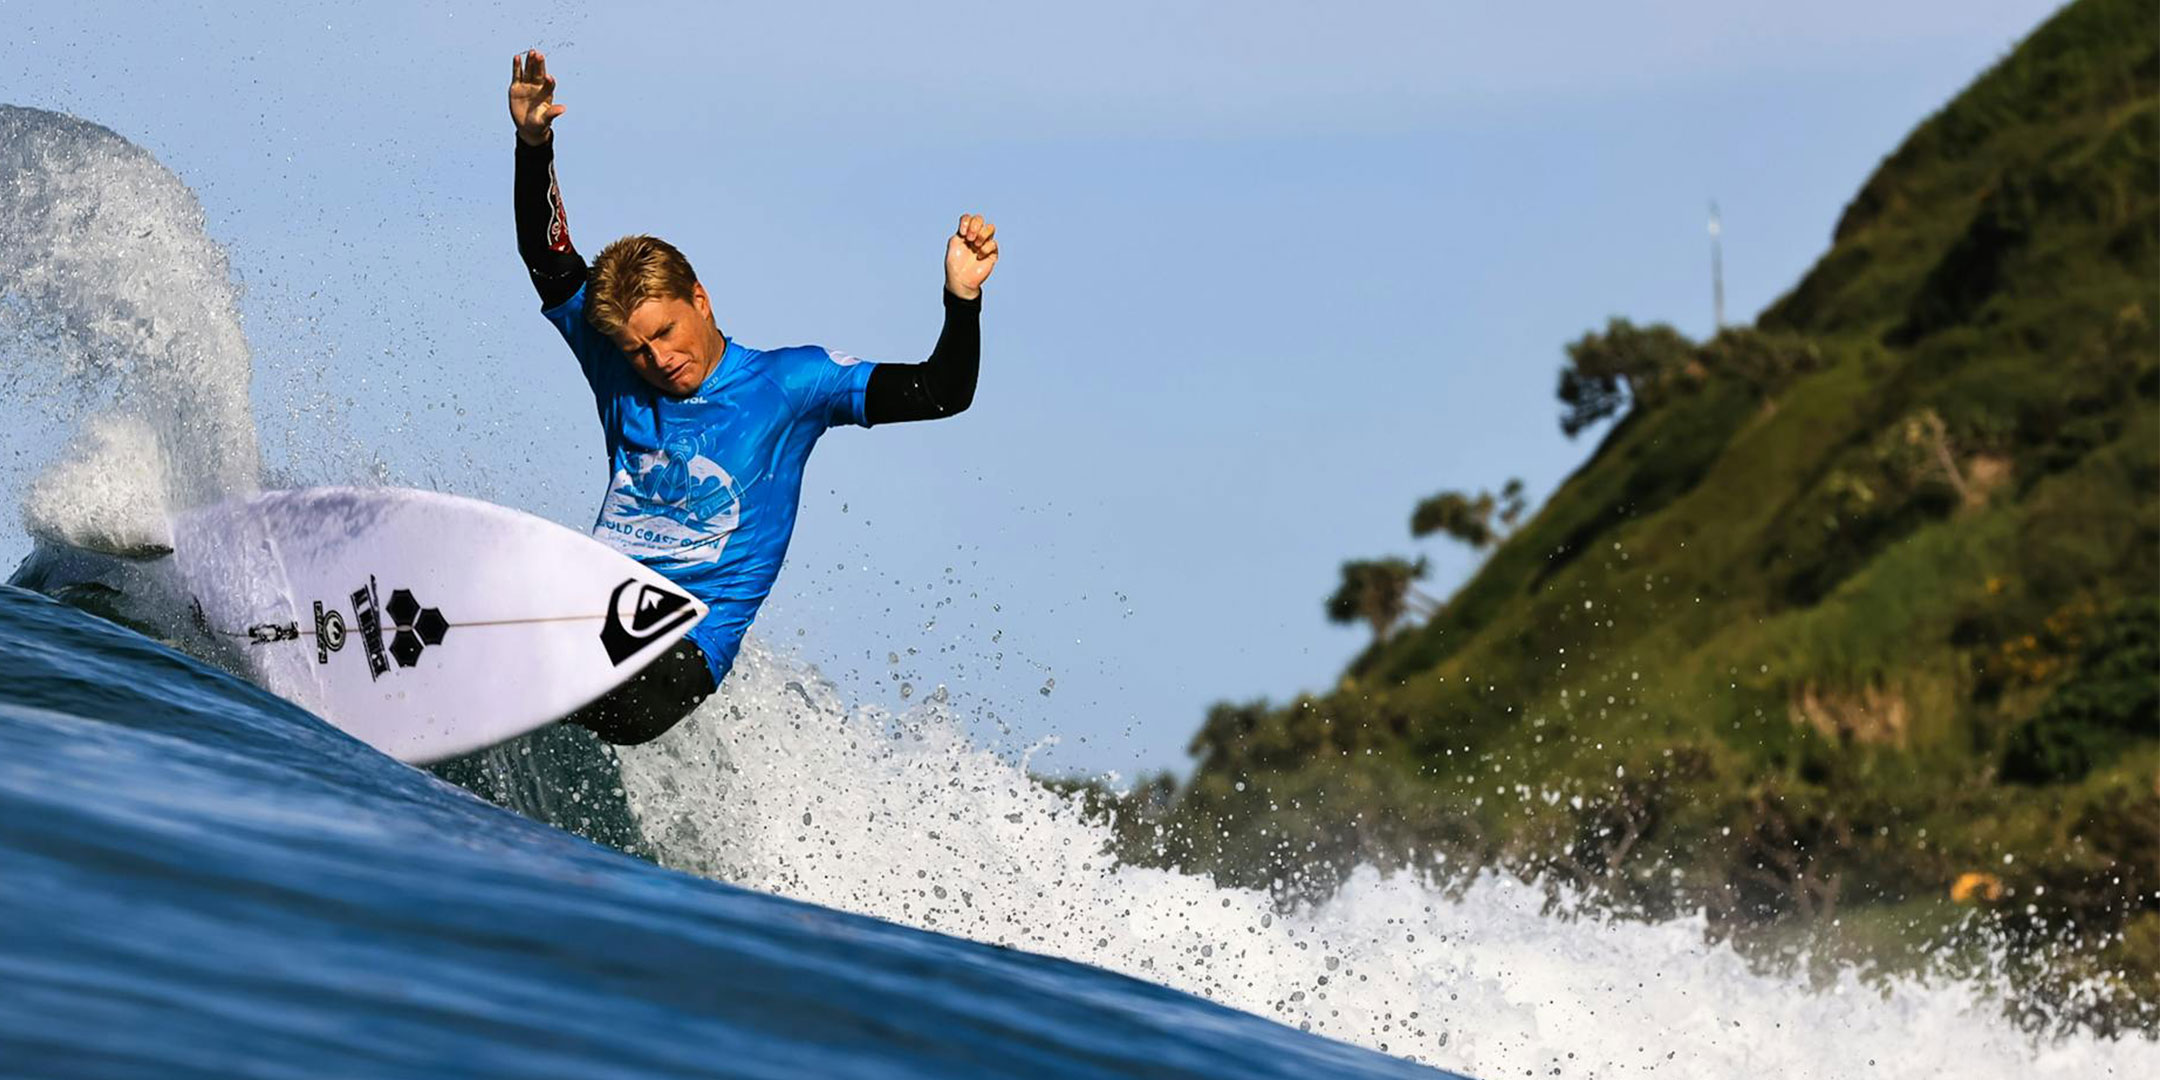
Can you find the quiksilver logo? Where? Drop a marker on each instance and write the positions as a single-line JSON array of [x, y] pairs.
[[638, 614]]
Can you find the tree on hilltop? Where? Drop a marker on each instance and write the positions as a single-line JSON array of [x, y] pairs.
[[1625, 363], [1470, 518], [1377, 592]]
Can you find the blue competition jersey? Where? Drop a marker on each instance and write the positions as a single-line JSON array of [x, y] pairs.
[[704, 488]]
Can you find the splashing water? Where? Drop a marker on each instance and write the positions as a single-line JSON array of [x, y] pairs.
[[119, 320], [776, 784]]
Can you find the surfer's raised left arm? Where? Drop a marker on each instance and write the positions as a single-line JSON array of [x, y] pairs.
[[543, 230], [944, 384]]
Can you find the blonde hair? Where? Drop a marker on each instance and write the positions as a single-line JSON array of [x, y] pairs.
[[629, 272]]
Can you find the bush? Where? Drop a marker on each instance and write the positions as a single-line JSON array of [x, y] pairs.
[[1765, 360], [2112, 701]]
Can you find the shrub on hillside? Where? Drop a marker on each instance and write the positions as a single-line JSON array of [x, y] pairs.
[[1763, 359], [2112, 700]]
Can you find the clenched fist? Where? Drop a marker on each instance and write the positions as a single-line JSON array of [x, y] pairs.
[[970, 254]]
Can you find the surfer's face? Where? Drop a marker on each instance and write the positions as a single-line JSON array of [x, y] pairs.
[[672, 343]]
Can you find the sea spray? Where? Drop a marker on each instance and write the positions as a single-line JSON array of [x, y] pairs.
[[106, 492], [115, 304], [778, 784]]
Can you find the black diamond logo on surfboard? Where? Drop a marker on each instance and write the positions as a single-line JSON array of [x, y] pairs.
[[651, 612]]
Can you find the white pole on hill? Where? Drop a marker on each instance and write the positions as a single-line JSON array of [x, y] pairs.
[[1717, 270]]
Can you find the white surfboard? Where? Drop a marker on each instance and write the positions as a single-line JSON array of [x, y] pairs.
[[427, 625]]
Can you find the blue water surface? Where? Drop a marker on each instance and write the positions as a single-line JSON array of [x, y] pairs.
[[200, 879]]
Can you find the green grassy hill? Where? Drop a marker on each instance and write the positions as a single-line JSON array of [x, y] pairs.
[[1847, 605]]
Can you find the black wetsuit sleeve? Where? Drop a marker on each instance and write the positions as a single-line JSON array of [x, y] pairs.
[[543, 232], [938, 387]]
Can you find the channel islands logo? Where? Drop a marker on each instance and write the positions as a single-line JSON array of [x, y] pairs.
[[417, 627]]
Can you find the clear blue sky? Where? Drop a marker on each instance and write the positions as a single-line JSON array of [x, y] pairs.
[[1272, 272]]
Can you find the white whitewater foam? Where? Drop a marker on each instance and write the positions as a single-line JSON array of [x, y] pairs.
[[776, 784], [106, 492], [115, 304]]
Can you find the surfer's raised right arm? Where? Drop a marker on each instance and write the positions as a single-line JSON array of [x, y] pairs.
[[543, 230]]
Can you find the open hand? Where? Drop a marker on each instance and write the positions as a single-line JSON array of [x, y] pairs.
[[970, 254], [532, 97]]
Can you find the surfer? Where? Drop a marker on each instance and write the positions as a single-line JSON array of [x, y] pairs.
[[707, 437]]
